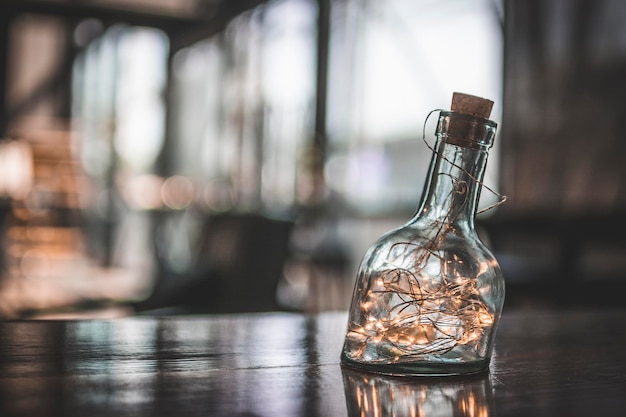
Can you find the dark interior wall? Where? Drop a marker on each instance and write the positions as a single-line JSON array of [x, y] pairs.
[[561, 235], [564, 150]]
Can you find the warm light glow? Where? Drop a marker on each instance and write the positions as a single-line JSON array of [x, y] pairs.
[[412, 314], [143, 192], [17, 169], [388, 396], [177, 192]]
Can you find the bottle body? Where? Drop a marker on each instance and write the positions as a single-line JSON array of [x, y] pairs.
[[424, 304], [428, 295]]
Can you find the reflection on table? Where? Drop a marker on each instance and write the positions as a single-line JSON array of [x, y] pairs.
[[369, 395], [546, 363]]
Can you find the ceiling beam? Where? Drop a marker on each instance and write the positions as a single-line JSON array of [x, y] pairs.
[[183, 28]]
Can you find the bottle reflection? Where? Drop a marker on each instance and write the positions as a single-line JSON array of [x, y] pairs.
[[369, 395]]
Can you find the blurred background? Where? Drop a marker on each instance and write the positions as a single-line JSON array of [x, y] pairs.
[[216, 156]]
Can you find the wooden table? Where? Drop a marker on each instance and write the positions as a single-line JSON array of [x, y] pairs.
[[546, 363]]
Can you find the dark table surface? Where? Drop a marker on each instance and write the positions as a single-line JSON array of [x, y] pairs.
[[546, 363]]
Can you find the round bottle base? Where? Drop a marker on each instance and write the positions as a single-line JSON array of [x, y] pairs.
[[420, 368]]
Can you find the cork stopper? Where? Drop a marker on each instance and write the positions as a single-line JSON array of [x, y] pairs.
[[471, 105], [467, 124]]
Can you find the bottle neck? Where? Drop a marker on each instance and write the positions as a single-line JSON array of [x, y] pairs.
[[456, 172]]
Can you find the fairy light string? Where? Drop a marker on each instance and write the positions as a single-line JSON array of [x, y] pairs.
[[431, 308]]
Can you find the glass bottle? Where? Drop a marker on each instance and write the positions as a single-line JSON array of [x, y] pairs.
[[429, 294]]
